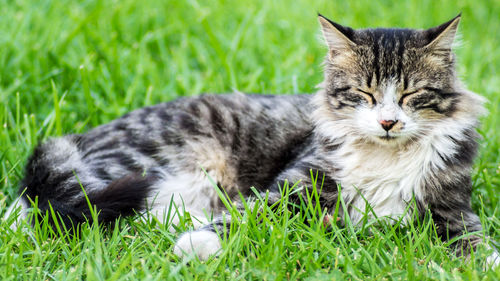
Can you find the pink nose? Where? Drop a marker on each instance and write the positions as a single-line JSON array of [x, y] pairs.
[[388, 124]]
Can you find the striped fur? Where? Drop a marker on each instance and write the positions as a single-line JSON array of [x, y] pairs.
[[391, 122]]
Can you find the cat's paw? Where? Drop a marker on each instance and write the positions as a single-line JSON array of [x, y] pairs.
[[202, 243], [493, 260]]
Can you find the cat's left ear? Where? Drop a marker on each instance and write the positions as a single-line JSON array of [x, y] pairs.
[[338, 38], [441, 37]]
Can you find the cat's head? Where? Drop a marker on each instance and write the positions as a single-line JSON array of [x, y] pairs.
[[390, 86]]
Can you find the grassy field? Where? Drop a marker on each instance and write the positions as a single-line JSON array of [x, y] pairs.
[[67, 66]]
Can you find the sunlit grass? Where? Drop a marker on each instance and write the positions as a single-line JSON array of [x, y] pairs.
[[67, 66]]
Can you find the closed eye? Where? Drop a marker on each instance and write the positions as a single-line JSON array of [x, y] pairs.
[[370, 95], [407, 95]]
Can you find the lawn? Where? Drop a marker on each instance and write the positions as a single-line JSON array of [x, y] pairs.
[[67, 66]]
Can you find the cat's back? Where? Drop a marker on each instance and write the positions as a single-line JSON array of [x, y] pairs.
[[222, 117], [247, 136]]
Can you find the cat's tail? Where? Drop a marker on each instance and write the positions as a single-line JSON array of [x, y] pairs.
[[56, 179]]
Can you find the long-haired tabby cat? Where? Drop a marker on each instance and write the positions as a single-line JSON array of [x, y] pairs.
[[391, 123]]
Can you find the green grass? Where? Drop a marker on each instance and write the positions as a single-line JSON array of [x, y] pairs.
[[67, 66]]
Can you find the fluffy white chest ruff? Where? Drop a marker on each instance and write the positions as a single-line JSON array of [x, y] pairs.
[[386, 180]]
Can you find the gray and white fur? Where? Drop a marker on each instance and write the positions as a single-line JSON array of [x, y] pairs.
[[391, 122]]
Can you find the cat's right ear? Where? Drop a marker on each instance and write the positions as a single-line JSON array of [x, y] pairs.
[[337, 37], [442, 37]]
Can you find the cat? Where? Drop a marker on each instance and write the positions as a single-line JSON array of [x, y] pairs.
[[391, 123]]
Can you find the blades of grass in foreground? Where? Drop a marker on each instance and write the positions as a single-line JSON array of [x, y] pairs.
[[144, 52]]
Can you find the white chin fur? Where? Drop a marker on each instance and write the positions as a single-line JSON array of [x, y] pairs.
[[391, 141], [199, 243]]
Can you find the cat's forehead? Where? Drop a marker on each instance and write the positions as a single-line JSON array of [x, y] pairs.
[[390, 44], [394, 56], [374, 57], [389, 38]]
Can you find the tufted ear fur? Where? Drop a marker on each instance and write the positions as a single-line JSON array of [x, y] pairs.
[[337, 37], [441, 37]]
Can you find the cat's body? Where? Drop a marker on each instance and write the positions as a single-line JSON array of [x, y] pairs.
[[239, 140], [392, 123]]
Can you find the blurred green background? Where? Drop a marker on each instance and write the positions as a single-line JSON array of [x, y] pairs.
[[67, 66]]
